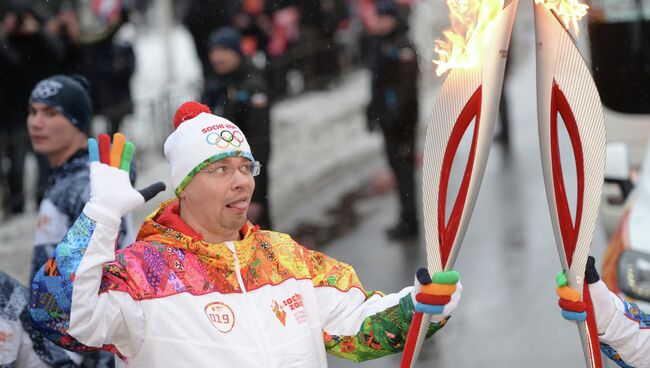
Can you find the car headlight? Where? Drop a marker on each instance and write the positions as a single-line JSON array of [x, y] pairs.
[[634, 274]]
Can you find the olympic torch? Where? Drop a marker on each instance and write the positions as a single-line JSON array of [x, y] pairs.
[[470, 93], [566, 92]]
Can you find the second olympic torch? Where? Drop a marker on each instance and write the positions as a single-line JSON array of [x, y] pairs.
[[567, 94], [470, 93]]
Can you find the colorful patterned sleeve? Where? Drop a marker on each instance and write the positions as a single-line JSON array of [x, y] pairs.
[[359, 325], [88, 321], [381, 334], [627, 339], [52, 286]]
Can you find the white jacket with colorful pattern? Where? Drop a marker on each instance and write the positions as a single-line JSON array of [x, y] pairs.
[[171, 299], [623, 328]]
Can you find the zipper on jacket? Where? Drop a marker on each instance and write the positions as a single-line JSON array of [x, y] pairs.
[[231, 246]]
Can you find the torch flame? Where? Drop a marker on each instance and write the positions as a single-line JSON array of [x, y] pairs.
[[570, 11], [470, 20]]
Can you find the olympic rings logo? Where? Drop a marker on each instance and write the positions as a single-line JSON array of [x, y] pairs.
[[225, 138]]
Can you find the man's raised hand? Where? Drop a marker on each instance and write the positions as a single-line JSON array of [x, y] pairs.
[[111, 192]]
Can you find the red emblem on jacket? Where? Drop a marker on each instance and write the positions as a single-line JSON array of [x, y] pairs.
[[280, 313]]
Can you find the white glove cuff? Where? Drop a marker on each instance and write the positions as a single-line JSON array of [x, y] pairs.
[[416, 289], [606, 305], [102, 215]]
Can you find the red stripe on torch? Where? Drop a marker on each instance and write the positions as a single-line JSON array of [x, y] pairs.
[[411, 338], [447, 233], [569, 230]]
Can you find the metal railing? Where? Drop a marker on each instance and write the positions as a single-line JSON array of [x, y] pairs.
[[152, 119]]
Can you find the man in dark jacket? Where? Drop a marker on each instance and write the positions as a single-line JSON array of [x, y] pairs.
[[237, 91], [394, 105], [58, 121], [317, 52], [204, 16], [59, 115], [27, 55]]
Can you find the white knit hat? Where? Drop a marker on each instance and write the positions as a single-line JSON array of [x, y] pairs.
[[200, 139]]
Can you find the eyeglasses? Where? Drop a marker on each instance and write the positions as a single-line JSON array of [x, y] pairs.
[[226, 171]]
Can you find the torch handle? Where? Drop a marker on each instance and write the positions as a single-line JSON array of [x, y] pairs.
[[411, 340], [591, 342]]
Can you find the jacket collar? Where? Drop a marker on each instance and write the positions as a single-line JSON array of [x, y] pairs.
[[166, 219]]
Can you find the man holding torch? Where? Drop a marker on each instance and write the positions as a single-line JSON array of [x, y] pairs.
[[623, 329], [202, 286], [568, 98]]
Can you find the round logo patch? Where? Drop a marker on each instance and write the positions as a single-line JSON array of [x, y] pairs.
[[221, 316], [46, 89]]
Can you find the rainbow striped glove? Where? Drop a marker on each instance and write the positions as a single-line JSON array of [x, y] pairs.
[[606, 304], [111, 193], [573, 309], [438, 295]]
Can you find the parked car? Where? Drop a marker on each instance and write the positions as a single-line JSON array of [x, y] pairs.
[[626, 263], [620, 55], [620, 58]]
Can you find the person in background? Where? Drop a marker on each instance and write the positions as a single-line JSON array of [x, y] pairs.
[[27, 55], [269, 28], [204, 16], [65, 26], [394, 105], [238, 92], [21, 346], [59, 116], [317, 51]]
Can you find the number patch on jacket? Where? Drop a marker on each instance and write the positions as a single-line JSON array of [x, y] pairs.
[[221, 316]]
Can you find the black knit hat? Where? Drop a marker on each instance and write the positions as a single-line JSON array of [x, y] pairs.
[[386, 7], [69, 95], [227, 37]]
